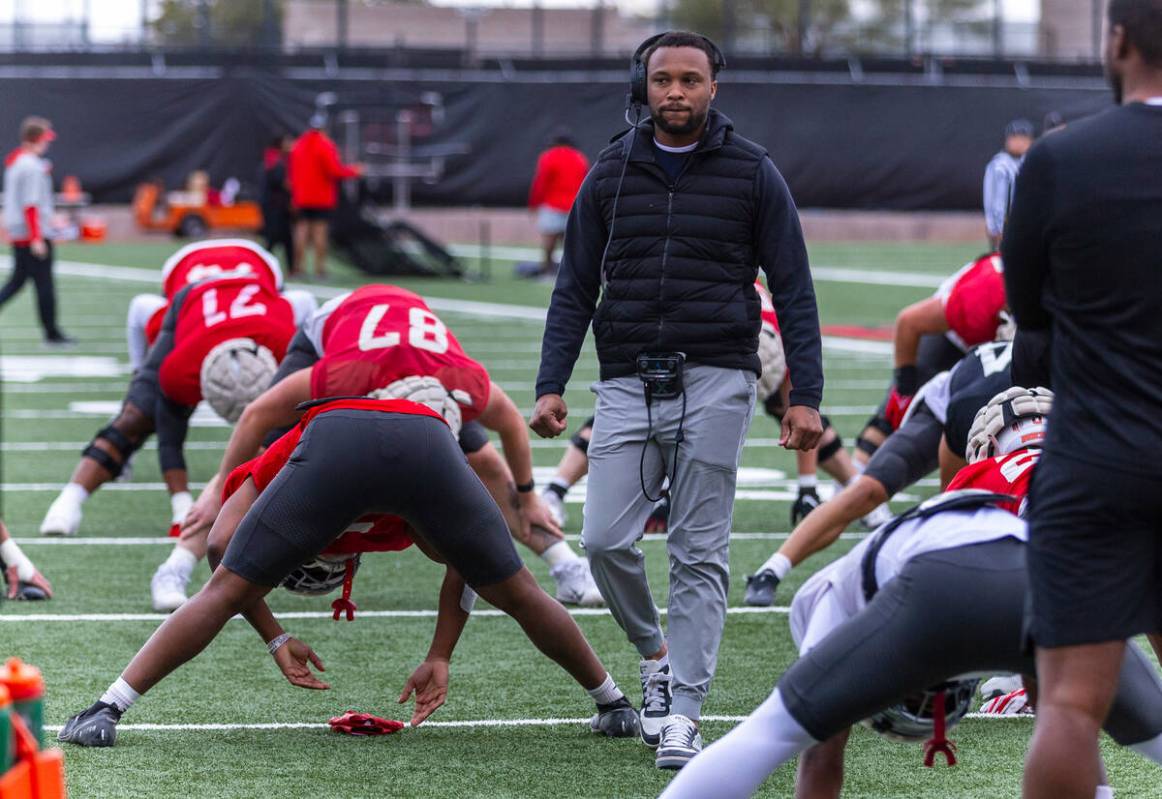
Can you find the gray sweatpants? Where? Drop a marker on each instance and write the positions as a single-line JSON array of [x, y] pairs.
[[719, 405]]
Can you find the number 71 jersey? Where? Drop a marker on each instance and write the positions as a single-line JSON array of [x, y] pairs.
[[378, 334]]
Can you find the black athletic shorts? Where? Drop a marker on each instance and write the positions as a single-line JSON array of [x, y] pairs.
[[349, 463], [144, 394], [909, 453], [473, 437], [1095, 553], [314, 214], [950, 612]]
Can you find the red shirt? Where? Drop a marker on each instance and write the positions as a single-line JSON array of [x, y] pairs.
[[215, 311], [372, 532], [560, 173], [973, 301], [1004, 474], [205, 259], [384, 333], [768, 308], [315, 170]]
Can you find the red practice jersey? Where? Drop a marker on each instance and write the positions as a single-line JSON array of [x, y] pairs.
[[768, 308], [973, 299], [380, 334], [372, 532], [215, 311], [215, 258], [1004, 474]]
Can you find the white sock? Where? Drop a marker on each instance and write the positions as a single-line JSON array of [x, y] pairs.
[[808, 480], [779, 564], [607, 693], [736, 764], [1151, 749], [121, 695], [182, 561], [1104, 792], [180, 504], [74, 493], [558, 553], [12, 556]]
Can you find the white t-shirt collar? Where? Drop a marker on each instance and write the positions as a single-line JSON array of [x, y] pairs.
[[689, 148]]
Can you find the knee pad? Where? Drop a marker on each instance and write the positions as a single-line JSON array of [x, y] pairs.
[[121, 442], [580, 442], [828, 451], [880, 422], [865, 446]]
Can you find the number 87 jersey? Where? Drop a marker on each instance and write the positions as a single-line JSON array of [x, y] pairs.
[[378, 334]]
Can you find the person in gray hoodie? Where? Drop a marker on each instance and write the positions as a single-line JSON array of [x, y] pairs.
[[28, 214]]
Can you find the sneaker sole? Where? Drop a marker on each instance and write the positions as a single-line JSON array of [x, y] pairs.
[[673, 762]]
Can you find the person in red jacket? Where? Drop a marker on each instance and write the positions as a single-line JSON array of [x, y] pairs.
[[560, 172], [315, 171]]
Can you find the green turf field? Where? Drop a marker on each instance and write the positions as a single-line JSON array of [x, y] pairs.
[[497, 676]]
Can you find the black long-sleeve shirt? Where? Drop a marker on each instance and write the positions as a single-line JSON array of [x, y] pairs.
[[777, 242], [1083, 260]]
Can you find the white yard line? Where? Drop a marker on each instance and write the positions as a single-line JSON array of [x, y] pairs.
[[488, 613], [462, 724]]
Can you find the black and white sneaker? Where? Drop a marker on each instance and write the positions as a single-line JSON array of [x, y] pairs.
[[760, 589], [96, 726], [615, 720], [656, 699], [681, 741]]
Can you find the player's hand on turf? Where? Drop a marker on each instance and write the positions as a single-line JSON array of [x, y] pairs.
[[429, 682], [201, 515], [535, 513], [802, 428], [294, 659], [37, 580], [550, 416]]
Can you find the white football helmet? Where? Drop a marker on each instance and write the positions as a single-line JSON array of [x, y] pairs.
[[1015, 418], [912, 719], [773, 360], [319, 576], [234, 374], [426, 391]]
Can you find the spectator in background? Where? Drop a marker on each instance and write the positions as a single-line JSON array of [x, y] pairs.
[[1001, 175], [315, 172], [275, 198], [560, 172], [28, 211]]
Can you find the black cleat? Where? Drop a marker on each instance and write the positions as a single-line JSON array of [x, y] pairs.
[[760, 589], [806, 502], [96, 726], [616, 720]]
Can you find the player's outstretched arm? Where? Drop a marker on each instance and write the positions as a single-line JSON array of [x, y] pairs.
[[429, 682], [820, 774], [502, 415], [919, 319], [822, 527]]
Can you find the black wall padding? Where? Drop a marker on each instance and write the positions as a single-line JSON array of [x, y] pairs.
[[904, 147]]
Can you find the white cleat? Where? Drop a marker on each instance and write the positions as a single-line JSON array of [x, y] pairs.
[[168, 589], [575, 584], [63, 518], [556, 507], [878, 517]]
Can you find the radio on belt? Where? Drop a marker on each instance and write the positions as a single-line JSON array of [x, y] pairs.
[[661, 374]]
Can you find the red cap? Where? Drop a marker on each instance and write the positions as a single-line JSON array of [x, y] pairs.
[[22, 681], [48, 135]]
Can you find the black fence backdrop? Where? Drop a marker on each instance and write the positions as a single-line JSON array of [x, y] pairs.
[[839, 145]]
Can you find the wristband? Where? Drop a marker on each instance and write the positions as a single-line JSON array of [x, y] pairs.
[[277, 642], [907, 378], [525, 488]]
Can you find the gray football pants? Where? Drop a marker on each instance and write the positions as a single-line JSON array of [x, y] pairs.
[[719, 405]]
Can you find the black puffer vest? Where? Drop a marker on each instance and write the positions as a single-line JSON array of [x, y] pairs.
[[681, 264]]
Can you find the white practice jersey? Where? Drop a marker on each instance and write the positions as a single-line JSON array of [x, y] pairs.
[[835, 594]]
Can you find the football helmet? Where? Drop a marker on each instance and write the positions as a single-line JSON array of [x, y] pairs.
[[1013, 419], [426, 391], [773, 360], [912, 720], [320, 576], [234, 374]]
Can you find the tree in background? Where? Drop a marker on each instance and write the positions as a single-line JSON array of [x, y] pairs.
[[233, 23]]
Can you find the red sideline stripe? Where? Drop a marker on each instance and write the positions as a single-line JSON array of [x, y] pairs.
[[859, 331]]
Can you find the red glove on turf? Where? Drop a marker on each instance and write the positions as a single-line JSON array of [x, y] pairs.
[[352, 723]]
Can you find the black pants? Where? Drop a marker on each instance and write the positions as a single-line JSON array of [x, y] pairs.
[[25, 266]]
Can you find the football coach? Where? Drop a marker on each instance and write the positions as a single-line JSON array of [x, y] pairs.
[[1083, 261], [662, 249]]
